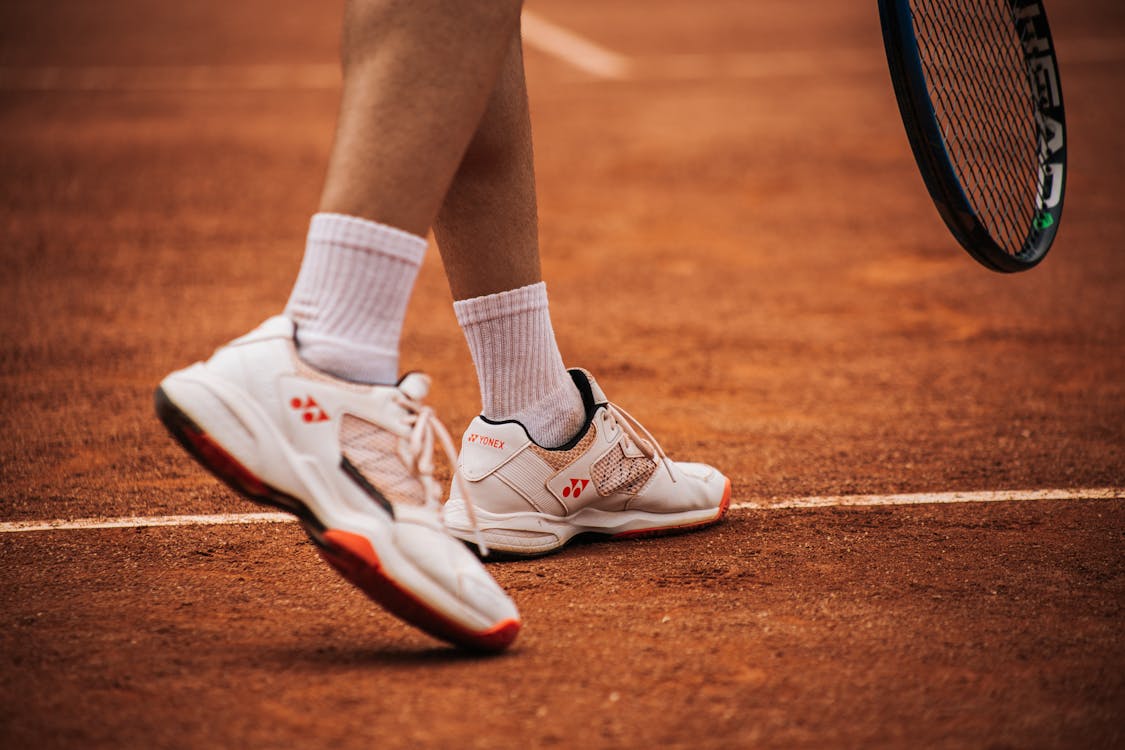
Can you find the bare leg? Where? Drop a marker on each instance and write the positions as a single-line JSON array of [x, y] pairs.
[[417, 77], [487, 229], [487, 234]]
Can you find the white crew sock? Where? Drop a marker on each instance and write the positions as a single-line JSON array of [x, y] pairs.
[[351, 294], [520, 370]]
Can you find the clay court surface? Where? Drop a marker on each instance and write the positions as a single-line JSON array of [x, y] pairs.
[[736, 241]]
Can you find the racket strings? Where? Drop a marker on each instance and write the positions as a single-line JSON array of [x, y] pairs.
[[979, 126], [985, 107], [1001, 130], [979, 141]]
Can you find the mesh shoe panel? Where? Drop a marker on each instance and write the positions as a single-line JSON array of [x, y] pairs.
[[374, 451], [615, 472], [559, 460]]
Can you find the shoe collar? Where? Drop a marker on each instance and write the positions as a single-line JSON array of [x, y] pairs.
[[277, 327], [592, 395], [593, 398]]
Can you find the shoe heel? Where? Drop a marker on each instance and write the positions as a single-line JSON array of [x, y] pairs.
[[211, 456]]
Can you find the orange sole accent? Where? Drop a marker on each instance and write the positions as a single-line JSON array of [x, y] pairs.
[[354, 558], [348, 553], [668, 530]]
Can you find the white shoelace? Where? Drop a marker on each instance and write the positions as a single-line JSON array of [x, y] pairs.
[[419, 456], [639, 436]]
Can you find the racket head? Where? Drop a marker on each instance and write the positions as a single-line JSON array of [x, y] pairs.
[[1005, 214]]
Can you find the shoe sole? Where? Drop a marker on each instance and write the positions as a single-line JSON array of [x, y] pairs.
[[568, 533], [349, 553]]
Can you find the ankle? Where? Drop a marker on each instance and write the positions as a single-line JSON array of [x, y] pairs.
[[519, 368], [551, 421], [351, 294]]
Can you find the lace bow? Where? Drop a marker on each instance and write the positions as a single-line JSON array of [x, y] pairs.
[[638, 436]]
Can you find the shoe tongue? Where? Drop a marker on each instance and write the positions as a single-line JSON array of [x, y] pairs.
[[415, 385]]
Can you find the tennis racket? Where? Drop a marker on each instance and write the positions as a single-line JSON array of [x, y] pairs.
[[978, 88]]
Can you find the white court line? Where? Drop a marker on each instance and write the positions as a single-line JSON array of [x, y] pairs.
[[551, 39], [576, 51], [570, 48], [936, 498], [923, 498], [139, 522]]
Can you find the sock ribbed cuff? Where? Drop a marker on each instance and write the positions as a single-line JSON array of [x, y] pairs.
[[350, 298], [519, 368], [526, 299]]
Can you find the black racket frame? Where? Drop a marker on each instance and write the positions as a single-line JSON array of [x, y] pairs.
[[928, 144]]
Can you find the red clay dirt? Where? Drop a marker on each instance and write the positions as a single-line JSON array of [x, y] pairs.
[[736, 242]]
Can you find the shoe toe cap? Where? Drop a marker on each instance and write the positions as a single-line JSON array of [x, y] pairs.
[[702, 472], [706, 485], [450, 564]]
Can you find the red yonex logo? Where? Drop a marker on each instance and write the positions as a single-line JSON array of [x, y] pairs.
[[575, 488], [310, 409], [491, 442]]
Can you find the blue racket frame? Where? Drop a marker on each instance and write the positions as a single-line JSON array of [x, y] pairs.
[[932, 156]]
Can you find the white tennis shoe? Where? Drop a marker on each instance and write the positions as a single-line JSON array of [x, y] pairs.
[[613, 479], [354, 463]]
